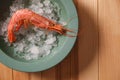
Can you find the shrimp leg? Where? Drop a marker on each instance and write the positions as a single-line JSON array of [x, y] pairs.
[[18, 25], [26, 23]]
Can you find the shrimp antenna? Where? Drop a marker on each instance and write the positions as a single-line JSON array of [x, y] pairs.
[[69, 35], [70, 19]]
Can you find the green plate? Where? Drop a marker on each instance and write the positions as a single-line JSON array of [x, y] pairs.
[[58, 54]]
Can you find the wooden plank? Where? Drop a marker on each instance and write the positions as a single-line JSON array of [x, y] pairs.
[[35, 76], [109, 51], [20, 75], [74, 63], [74, 56], [5, 73], [64, 69], [88, 40], [49, 74]]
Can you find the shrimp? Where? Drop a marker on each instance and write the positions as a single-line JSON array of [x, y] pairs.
[[26, 17]]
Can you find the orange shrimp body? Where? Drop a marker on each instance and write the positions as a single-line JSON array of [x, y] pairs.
[[26, 17]]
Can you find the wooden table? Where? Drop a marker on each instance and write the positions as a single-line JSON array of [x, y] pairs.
[[96, 54]]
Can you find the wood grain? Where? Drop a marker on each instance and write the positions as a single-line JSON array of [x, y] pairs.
[[109, 31], [49, 74], [35, 76], [20, 75], [5, 73], [88, 40]]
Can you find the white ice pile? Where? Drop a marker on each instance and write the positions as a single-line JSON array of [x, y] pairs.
[[33, 43]]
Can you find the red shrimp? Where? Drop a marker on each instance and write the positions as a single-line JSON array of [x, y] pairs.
[[26, 17]]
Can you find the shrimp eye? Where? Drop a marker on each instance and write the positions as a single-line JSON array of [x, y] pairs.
[[52, 24]]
